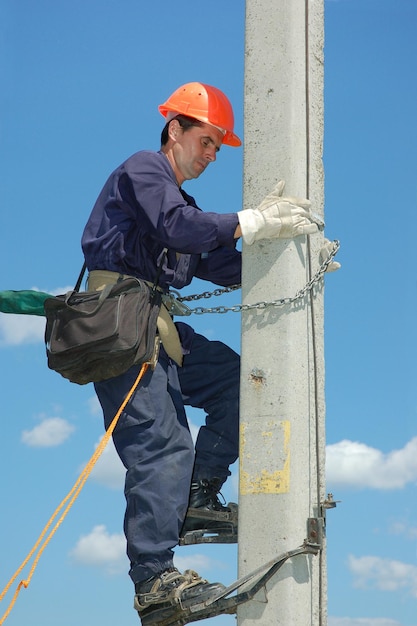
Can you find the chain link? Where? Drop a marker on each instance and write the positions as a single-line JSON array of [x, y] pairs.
[[238, 308], [209, 294]]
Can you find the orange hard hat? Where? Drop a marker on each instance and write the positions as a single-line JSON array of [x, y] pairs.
[[205, 103]]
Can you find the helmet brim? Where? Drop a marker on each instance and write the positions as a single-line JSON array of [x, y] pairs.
[[229, 138]]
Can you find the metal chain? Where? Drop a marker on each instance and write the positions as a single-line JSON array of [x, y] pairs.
[[208, 294], [238, 308]]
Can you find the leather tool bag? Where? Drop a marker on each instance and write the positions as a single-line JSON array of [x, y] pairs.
[[91, 336]]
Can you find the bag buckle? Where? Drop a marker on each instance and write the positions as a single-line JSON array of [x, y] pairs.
[[174, 306], [154, 358]]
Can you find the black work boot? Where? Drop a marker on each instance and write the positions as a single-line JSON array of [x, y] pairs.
[[203, 495], [170, 593], [207, 519]]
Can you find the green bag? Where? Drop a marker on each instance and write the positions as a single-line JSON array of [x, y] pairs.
[[23, 302]]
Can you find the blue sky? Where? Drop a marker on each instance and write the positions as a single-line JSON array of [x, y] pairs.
[[81, 82]]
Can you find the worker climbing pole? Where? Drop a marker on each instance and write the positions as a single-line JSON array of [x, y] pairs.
[[282, 500]]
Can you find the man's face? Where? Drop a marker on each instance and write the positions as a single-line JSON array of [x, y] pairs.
[[193, 150]]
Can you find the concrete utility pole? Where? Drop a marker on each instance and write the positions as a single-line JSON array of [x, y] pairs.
[[282, 392]]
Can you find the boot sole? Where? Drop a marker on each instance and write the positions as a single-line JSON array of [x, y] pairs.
[[168, 614], [220, 516]]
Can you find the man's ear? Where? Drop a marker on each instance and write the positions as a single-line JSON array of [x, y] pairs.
[[173, 129]]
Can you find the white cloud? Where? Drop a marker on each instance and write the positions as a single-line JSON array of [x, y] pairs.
[[406, 530], [383, 574], [109, 470], [94, 406], [351, 463], [52, 431], [362, 621], [194, 428], [198, 562], [19, 329], [101, 549], [22, 329], [107, 551]]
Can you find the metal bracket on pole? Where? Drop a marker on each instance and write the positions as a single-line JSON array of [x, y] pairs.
[[251, 584], [316, 526], [329, 503], [315, 531]]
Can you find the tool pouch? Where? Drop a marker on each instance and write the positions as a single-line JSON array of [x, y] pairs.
[[91, 336]]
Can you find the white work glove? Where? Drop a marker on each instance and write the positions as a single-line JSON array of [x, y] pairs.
[[277, 216], [325, 252]]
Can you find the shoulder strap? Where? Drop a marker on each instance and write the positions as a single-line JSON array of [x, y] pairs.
[[158, 273], [80, 277]]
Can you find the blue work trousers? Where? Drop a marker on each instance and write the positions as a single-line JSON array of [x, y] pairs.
[[153, 440]]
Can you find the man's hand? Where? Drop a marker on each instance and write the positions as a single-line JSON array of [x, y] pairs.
[[277, 216]]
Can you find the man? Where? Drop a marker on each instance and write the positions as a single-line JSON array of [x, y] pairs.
[[143, 220]]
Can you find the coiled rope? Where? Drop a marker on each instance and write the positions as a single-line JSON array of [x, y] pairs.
[[69, 500]]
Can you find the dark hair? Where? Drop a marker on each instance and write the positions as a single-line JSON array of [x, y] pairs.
[[184, 121]]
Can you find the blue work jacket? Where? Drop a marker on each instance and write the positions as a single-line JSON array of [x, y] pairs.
[[141, 211]]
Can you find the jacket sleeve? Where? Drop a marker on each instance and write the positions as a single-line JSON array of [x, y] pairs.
[[222, 266], [172, 216]]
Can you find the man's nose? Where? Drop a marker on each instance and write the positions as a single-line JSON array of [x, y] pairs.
[[211, 154]]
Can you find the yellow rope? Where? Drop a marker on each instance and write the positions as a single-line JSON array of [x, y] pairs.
[[70, 499]]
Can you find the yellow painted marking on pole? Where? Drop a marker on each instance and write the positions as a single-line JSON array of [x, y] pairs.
[[273, 445]]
